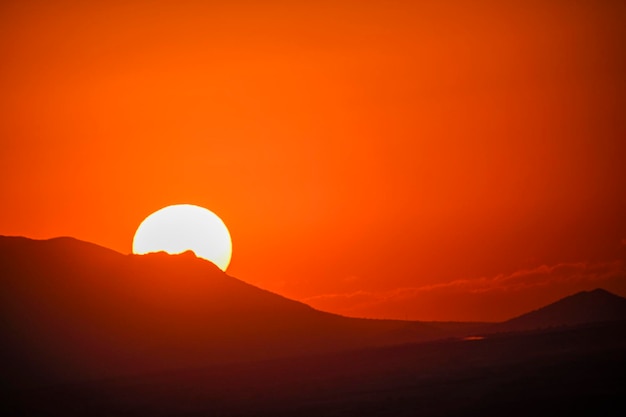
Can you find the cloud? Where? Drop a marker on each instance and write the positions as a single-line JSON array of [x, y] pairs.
[[485, 298]]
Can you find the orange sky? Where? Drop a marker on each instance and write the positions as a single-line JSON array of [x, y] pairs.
[[426, 160]]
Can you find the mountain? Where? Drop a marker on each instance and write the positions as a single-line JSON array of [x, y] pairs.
[[88, 331], [581, 308], [71, 311]]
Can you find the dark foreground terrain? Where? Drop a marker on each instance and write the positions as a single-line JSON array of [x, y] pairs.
[[85, 331], [579, 370]]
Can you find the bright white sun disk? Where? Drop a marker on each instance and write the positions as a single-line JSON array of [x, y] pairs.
[[179, 228]]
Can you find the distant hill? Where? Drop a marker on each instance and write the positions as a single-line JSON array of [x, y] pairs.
[[584, 307], [71, 310]]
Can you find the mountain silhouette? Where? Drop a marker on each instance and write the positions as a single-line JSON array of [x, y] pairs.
[[75, 311], [72, 310], [581, 308]]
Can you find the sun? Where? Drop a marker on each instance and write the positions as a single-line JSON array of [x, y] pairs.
[[182, 227]]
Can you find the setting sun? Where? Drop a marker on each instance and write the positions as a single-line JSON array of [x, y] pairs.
[[179, 228]]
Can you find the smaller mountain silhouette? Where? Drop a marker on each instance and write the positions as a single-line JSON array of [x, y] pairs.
[[584, 307]]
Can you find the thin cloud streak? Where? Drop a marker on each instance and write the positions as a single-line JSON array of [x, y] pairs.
[[509, 294]]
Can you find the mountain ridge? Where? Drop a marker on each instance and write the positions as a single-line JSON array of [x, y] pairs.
[[593, 306], [72, 310]]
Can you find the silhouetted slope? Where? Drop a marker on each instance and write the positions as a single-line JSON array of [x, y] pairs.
[[584, 307], [72, 310]]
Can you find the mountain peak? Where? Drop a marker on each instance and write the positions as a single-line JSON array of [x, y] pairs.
[[599, 292], [596, 305]]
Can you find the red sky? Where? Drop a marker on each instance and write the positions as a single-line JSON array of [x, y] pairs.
[[450, 160]]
